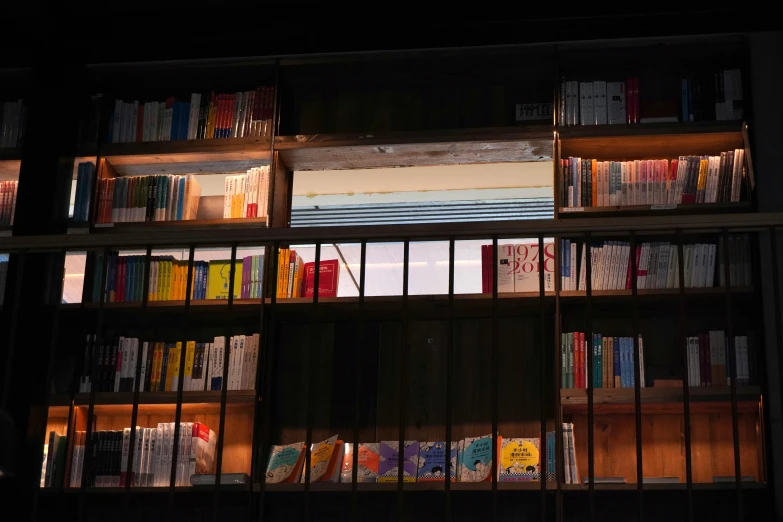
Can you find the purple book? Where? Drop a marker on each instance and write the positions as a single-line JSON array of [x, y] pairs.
[[388, 461]]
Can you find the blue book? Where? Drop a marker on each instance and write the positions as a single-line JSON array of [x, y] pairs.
[[184, 120], [599, 376], [432, 461], [624, 382], [616, 352], [175, 110], [567, 257], [551, 472]]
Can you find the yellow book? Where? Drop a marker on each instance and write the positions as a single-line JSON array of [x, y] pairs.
[[179, 281], [279, 272], [282, 272], [190, 355], [219, 277], [520, 460], [172, 372], [320, 455], [169, 280], [210, 120], [702, 179]]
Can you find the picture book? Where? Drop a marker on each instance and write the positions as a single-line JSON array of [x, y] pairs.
[[321, 454], [432, 461], [285, 463], [219, 279], [388, 461], [476, 459], [520, 460], [369, 457]]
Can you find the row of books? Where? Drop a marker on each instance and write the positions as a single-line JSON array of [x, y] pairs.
[[517, 267], [13, 116], [470, 460], [686, 180], [707, 356], [162, 197], [153, 456], [246, 195], [8, 191], [53, 466], [233, 115], [168, 278], [295, 278], [599, 102], [657, 264], [613, 361], [115, 364], [85, 175], [716, 96], [712, 96]]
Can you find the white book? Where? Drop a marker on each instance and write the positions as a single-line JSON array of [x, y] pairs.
[[158, 455], [672, 269], [133, 359], [652, 266], [231, 361], [586, 103], [693, 281], [583, 268], [227, 198], [150, 456], [599, 103], [687, 264], [676, 196], [126, 433], [641, 270], [240, 363], [505, 268], [710, 174], [144, 465], [623, 194], [606, 265], [254, 362], [611, 283]]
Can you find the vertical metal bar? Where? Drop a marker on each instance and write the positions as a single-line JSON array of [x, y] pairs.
[[543, 369], [559, 449], [731, 365], [637, 372], [449, 383], [224, 381], [494, 381], [357, 357], [268, 335], [310, 372], [88, 445], [686, 395], [135, 407], [261, 365], [403, 376], [590, 389]]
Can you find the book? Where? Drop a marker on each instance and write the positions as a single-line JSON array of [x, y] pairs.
[[388, 462], [328, 281], [520, 460], [518, 267], [219, 276], [432, 461], [133, 199], [285, 463], [201, 116], [475, 460], [8, 191], [324, 461]]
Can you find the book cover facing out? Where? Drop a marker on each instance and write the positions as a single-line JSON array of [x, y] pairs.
[[328, 281], [476, 459], [388, 461], [432, 461], [320, 455], [283, 462], [219, 279], [520, 460]]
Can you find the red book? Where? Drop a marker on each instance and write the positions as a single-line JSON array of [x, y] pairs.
[[328, 280], [673, 180], [582, 354]]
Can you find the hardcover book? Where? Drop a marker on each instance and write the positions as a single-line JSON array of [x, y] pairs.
[[388, 461], [327, 282], [520, 460], [432, 461]]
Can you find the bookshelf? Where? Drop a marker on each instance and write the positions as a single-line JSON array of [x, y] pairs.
[[426, 367]]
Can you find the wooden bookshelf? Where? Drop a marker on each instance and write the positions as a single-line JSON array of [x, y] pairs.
[[173, 226], [421, 148], [661, 401], [650, 140], [213, 156]]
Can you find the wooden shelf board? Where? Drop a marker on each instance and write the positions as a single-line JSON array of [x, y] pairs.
[[666, 400], [9, 169], [404, 149], [121, 403], [216, 156], [190, 224], [650, 140], [706, 208]]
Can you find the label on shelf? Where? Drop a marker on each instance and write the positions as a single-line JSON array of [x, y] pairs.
[[104, 225], [572, 209], [663, 207]]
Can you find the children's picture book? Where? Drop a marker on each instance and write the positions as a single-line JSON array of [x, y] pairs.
[[432, 461], [285, 463], [520, 460], [476, 459], [388, 462], [219, 279], [321, 454]]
